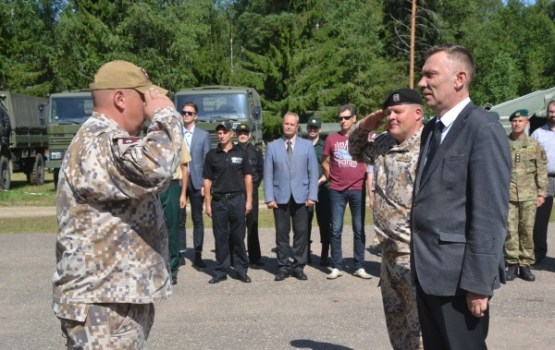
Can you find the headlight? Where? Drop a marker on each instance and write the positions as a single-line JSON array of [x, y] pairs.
[[56, 155]]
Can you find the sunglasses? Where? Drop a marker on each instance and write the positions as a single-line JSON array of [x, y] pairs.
[[345, 118], [188, 113]]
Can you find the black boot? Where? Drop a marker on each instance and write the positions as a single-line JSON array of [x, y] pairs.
[[199, 263], [526, 274], [511, 272]]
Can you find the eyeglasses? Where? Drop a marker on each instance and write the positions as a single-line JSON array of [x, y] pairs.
[[345, 118], [188, 113]]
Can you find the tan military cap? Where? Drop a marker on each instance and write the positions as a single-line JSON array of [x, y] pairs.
[[123, 75]]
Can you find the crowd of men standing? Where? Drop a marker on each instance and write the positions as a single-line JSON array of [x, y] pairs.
[[441, 201]]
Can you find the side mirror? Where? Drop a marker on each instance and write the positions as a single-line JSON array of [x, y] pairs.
[[256, 113]]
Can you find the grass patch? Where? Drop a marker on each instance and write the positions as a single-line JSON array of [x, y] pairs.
[[50, 224], [47, 224], [23, 194]]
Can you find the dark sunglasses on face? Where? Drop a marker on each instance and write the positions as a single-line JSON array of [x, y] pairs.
[[345, 118], [188, 113]]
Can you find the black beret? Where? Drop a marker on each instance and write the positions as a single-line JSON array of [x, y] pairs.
[[401, 97]]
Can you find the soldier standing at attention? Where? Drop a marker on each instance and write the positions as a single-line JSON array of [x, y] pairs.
[[257, 163], [112, 243], [227, 199], [394, 155], [527, 192]]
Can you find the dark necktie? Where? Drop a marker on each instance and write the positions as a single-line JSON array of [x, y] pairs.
[[289, 151], [434, 144]]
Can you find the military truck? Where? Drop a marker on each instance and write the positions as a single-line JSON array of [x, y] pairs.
[[23, 140], [535, 102], [218, 103], [66, 112]]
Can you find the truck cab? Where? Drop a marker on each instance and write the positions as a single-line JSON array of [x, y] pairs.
[[219, 103], [67, 111]]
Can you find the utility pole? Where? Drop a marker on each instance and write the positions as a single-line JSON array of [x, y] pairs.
[[412, 36]]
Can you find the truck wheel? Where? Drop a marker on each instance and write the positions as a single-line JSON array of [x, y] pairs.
[[5, 175], [56, 177], [37, 174]]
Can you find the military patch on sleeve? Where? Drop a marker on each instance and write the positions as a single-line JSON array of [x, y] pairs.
[[544, 156], [124, 143]]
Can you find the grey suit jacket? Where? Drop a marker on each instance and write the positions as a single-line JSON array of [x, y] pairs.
[[298, 178], [200, 145], [460, 207]]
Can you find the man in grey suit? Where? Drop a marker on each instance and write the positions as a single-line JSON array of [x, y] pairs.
[[198, 141], [290, 187], [460, 206]]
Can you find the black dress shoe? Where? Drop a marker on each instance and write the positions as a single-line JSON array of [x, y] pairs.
[[217, 279], [257, 263], [511, 272], [526, 274], [243, 277], [199, 264], [299, 274], [281, 276]]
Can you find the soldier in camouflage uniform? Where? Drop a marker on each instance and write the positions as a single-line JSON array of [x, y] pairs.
[[394, 155], [527, 192], [112, 244]]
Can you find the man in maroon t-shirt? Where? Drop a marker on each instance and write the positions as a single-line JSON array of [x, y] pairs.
[[346, 181]]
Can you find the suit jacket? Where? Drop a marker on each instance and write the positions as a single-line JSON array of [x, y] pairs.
[[460, 206], [200, 145], [298, 178]]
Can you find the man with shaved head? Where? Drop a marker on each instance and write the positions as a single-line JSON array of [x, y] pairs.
[[112, 243]]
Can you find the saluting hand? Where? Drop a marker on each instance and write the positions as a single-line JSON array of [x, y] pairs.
[[373, 121], [155, 100]]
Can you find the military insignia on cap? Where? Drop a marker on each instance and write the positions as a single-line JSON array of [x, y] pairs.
[[517, 114], [145, 73], [396, 98], [313, 121]]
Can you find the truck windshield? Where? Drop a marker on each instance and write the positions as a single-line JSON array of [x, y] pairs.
[[70, 109], [216, 106]]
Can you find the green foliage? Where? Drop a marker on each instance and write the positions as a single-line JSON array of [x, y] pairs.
[[306, 56]]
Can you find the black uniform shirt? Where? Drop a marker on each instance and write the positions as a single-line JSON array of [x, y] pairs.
[[257, 163], [226, 170]]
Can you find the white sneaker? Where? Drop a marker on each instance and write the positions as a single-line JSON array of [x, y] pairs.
[[362, 274], [334, 274]]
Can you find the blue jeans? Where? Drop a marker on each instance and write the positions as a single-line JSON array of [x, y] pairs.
[[357, 203]]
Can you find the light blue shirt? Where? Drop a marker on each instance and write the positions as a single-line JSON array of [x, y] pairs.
[[546, 138]]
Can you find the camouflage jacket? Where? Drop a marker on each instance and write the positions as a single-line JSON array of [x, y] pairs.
[[112, 244], [529, 171], [394, 174]]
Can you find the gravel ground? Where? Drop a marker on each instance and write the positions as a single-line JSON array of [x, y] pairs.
[[316, 314]]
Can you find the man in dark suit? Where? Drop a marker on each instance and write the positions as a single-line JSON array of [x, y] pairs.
[[460, 205], [198, 141], [290, 187]]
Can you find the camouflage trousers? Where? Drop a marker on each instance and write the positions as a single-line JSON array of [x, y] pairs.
[[519, 244], [110, 326], [399, 302]]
